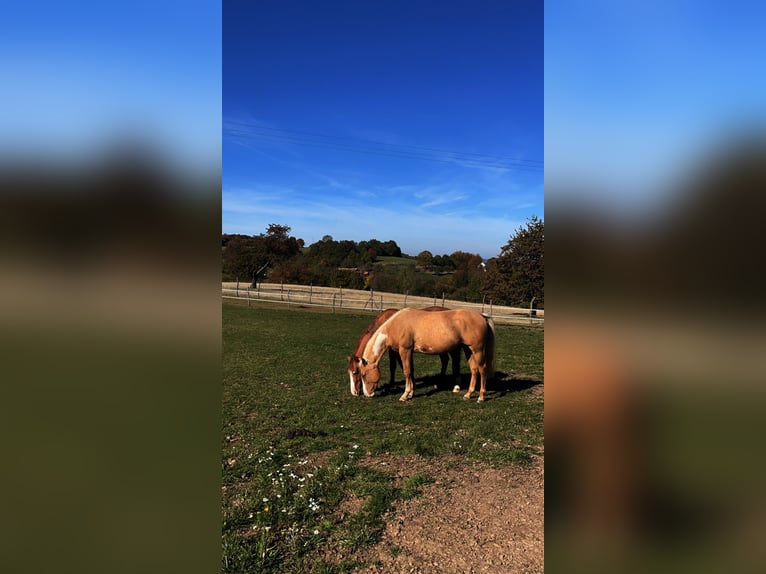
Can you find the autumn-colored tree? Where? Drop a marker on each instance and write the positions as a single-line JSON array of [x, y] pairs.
[[466, 261], [517, 275]]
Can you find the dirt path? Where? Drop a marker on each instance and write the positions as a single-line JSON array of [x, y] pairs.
[[471, 519]]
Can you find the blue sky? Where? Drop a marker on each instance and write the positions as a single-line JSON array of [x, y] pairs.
[[339, 116], [637, 94], [78, 76], [634, 93]]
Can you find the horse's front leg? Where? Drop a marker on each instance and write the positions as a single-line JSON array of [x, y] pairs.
[[483, 376], [408, 368], [484, 370]]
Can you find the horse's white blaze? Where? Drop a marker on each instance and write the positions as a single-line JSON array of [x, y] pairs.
[[353, 387]]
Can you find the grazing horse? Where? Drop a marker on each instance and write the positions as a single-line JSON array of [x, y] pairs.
[[354, 375], [415, 330]]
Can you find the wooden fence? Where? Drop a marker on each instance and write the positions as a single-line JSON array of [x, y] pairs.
[[338, 299]]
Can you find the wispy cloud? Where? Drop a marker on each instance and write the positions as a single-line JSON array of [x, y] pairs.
[[431, 197], [453, 207], [364, 214]]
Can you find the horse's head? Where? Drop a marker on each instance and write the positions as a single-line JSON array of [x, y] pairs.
[[354, 374], [370, 374]]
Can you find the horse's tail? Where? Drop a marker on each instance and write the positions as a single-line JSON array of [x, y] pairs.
[[489, 348]]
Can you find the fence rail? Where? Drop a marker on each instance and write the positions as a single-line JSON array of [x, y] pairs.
[[369, 301]]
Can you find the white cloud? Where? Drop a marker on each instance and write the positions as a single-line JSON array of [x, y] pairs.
[[455, 212]]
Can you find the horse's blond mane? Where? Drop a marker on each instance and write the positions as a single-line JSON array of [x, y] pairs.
[[371, 343]]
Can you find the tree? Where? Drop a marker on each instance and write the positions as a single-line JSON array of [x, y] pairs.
[[279, 244], [443, 264], [244, 256], [517, 275], [248, 257], [466, 261], [425, 260], [391, 248]]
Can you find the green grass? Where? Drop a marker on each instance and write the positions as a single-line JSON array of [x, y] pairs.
[[390, 260], [294, 437]]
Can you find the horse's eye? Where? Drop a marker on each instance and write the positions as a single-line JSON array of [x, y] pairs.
[[364, 362]]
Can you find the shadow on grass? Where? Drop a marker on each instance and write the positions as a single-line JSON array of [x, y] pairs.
[[500, 385]]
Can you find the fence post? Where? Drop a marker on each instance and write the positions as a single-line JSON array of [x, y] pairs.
[[289, 302], [237, 286], [405, 297], [381, 302], [248, 296], [311, 291], [282, 292], [333, 303], [340, 290], [482, 302], [442, 298]]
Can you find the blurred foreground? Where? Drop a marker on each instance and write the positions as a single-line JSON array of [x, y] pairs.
[[655, 364], [110, 313]]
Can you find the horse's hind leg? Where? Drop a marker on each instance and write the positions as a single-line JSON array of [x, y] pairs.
[[409, 383], [455, 354], [472, 384], [476, 361]]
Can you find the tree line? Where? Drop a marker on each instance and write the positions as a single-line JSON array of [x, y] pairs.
[[516, 277]]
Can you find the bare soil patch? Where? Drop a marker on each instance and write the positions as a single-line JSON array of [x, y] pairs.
[[471, 519]]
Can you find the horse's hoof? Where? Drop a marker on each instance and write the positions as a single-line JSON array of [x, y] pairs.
[[466, 397], [456, 389], [480, 400]]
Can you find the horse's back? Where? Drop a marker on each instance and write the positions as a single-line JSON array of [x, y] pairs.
[[452, 326], [446, 315]]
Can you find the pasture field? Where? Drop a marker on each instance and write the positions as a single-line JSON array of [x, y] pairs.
[[390, 260], [295, 440]]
